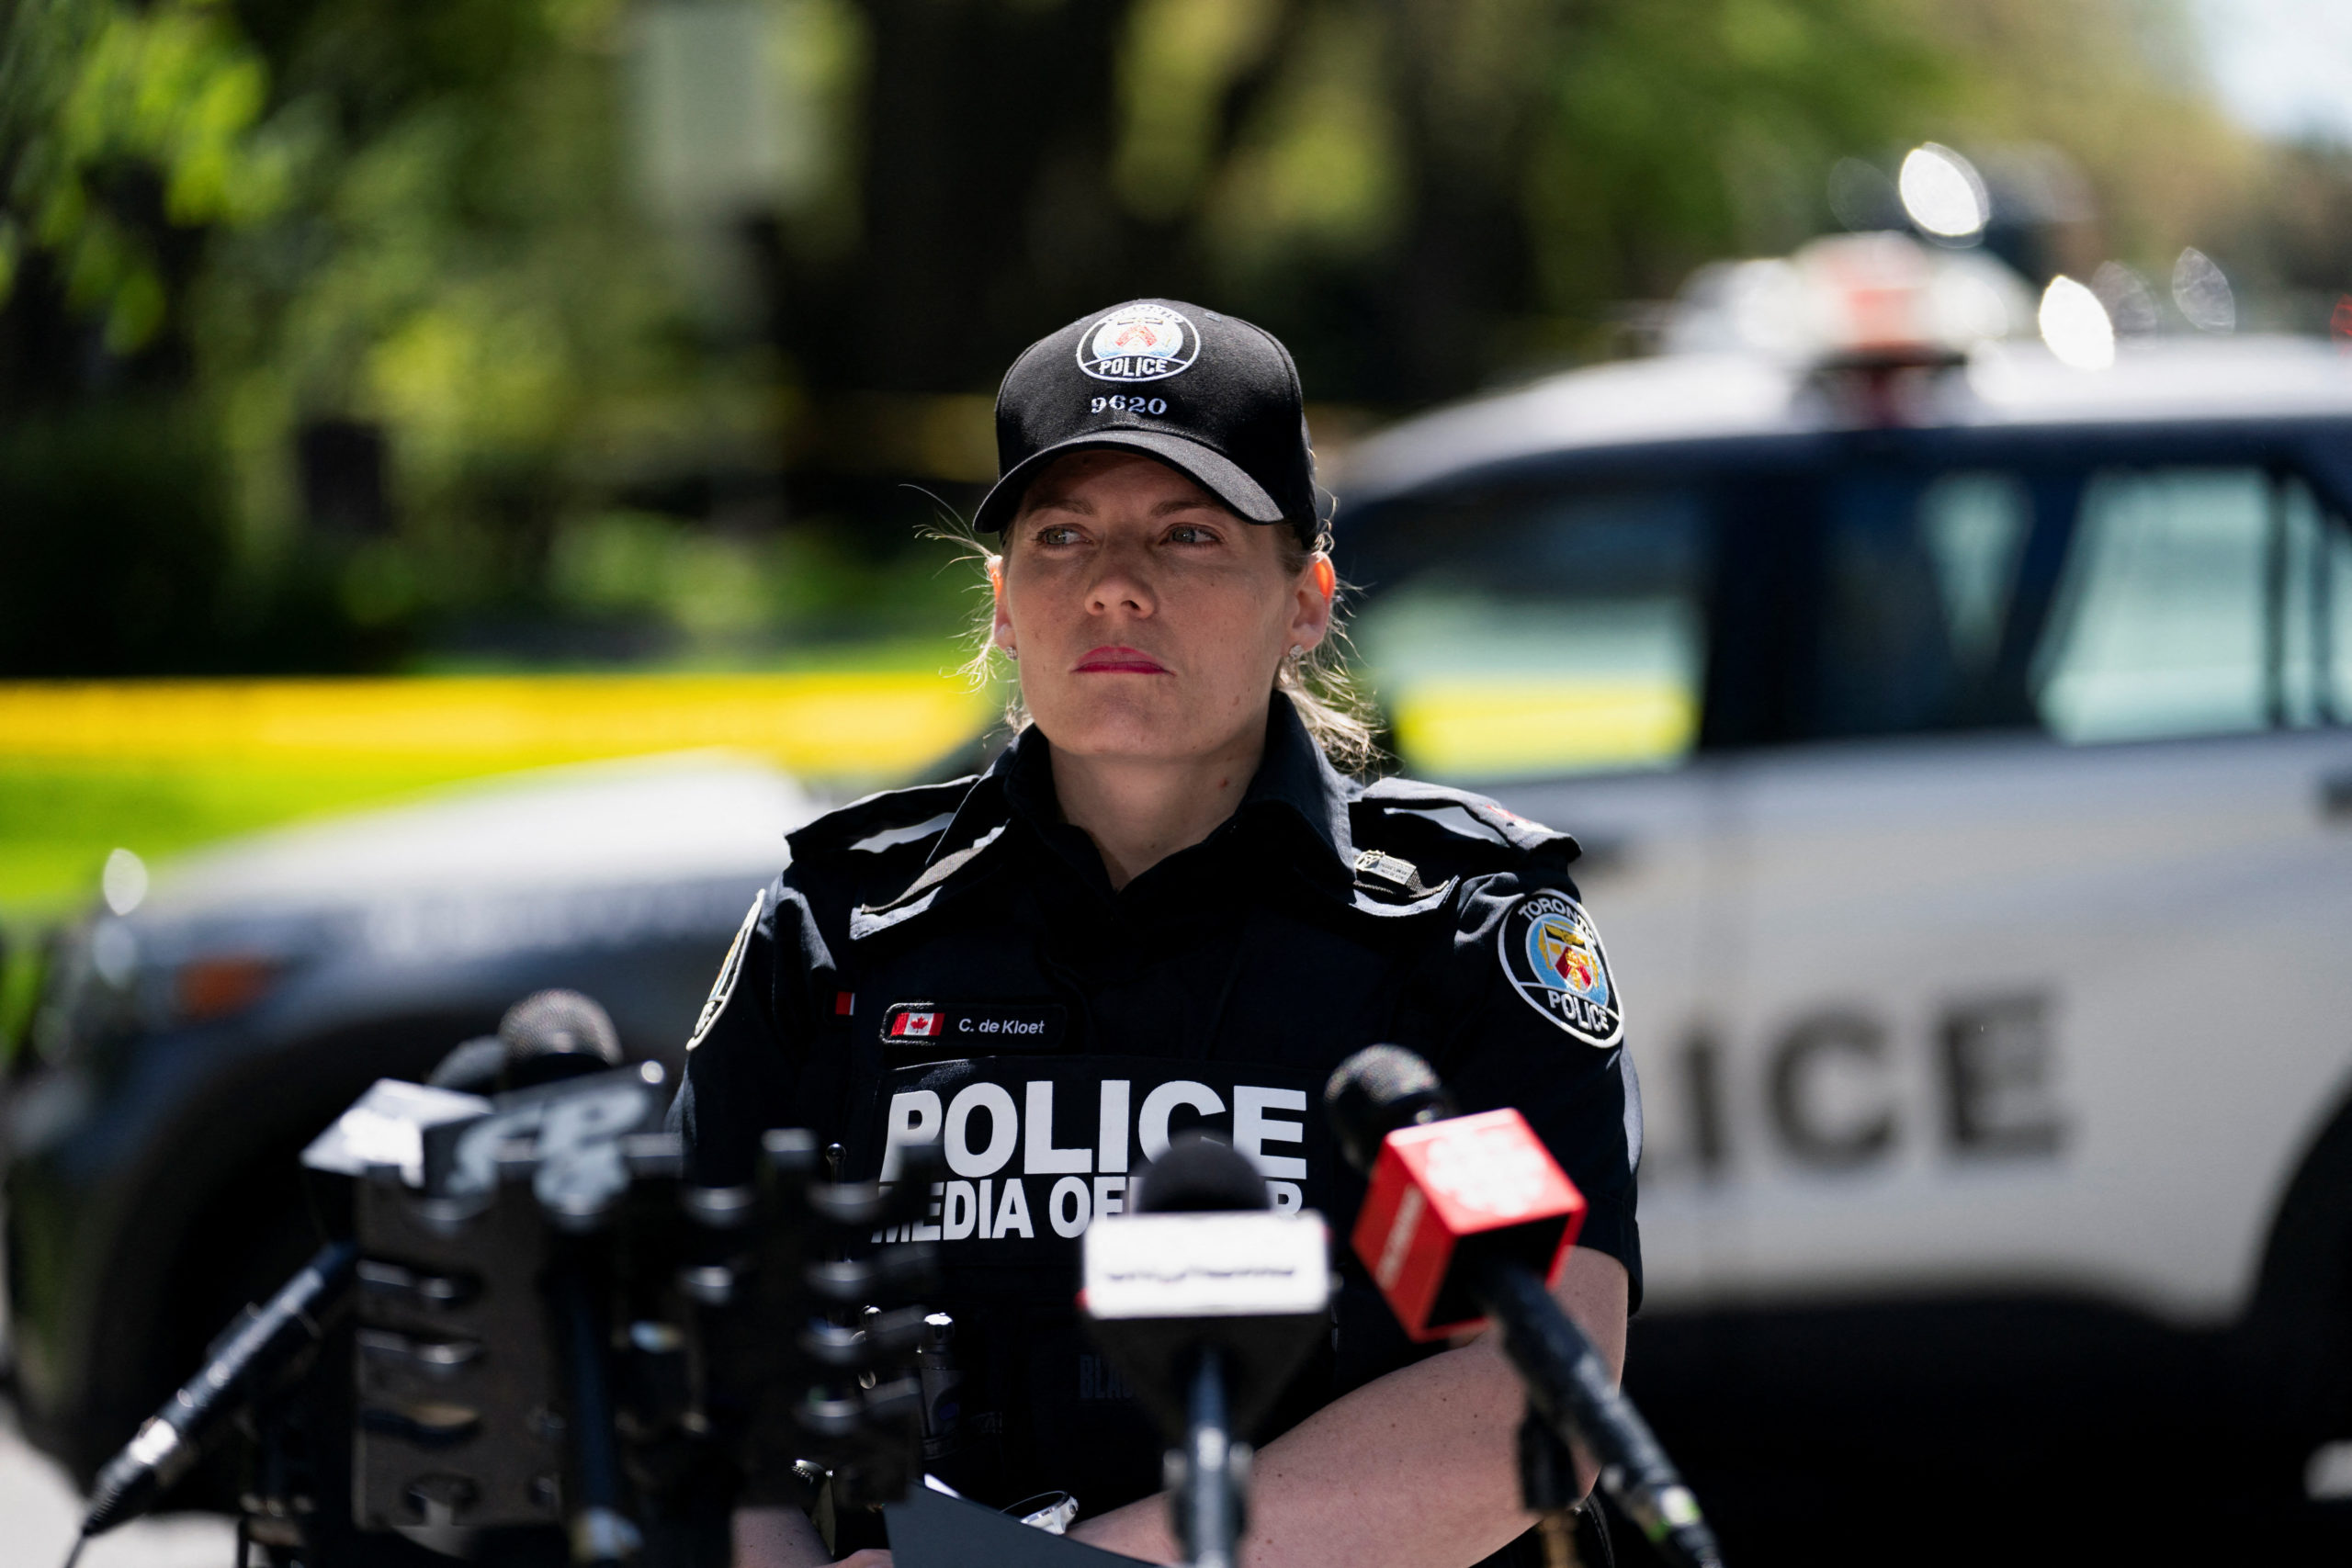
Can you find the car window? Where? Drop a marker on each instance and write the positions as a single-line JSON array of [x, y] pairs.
[[1539, 633], [1974, 526], [2195, 601], [1918, 572], [2315, 620]]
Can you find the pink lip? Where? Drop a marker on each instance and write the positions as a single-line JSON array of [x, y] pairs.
[[1119, 661]]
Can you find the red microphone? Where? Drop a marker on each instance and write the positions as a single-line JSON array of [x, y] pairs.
[[1450, 1197], [1469, 1219]]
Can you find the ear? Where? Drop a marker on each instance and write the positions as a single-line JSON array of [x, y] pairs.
[[1001, 633], [1318, 586]]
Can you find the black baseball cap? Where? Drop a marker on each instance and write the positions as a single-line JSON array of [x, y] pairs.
[[1209, 395]]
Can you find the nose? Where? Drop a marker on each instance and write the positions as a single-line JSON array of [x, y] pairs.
[[1122, 581]]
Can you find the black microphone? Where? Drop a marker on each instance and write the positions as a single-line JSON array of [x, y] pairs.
[[1379, 1091], [247, 1361], [556, 1034], [1196, 1175], [1206, 1302], [471, 1067], [1486, 1183], [1200, 1176], [546, 1035]]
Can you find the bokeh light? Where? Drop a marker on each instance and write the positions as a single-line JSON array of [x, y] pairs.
[[2129, 305], [1943, 193], [2203, 293], [2075, 326], [123, 882]]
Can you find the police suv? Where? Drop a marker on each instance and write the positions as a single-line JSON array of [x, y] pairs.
[[1954, 725]]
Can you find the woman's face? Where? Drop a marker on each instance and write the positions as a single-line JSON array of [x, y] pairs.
[[1148, 620]]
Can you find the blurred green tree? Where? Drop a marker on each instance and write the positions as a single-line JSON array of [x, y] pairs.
[[451, 308]]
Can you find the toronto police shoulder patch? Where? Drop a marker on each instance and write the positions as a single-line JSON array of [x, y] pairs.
[[730, 969], [1551, 952]]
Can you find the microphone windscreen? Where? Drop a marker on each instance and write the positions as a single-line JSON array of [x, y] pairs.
[[1376, 1091], [552, 1034], [473, 1068], [1198, 1175]]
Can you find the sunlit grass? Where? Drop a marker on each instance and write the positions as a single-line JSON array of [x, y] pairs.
[[60, 818]]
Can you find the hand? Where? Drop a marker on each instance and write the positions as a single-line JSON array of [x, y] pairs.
[[776, 1537], [1140, 1529]]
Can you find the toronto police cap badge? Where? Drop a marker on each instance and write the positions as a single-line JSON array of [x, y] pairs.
[[1551, 952], [1139, 342]]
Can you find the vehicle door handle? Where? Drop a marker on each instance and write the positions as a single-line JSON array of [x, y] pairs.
[[1604, 854], [2336, 796]]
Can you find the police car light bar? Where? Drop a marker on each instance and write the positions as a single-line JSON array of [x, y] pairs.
[[1854, 299]]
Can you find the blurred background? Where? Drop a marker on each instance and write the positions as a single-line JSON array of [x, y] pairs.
[[399, 395], [348, 338]]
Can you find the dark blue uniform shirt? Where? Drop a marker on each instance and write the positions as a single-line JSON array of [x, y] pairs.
[[951, 962]]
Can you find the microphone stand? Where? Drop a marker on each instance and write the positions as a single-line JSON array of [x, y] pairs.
[[1568, 1389], [1547, 1488], [1209, 1488], [602, 1531]]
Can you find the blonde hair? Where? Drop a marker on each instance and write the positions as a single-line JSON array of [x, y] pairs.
[[1318, 683]]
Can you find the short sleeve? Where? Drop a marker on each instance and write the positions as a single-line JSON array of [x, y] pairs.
[[1541, 1031], [750, 1045]]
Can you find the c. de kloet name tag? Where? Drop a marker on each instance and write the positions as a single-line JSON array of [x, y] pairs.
[[961, 1026]]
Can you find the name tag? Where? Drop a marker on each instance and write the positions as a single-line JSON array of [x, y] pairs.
[[967, 1028]]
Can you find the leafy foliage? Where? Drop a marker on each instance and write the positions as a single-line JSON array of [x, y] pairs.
[[121, 120], [584, 315]]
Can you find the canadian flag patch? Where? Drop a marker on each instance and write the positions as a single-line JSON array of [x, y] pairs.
[[914, 1024]]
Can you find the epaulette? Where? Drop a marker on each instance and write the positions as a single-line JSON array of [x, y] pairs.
[[879, 823], [1464, 814], [1387, 883]]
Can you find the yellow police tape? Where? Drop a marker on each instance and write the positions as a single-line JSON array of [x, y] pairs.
[[832, 725], [1490, 727], [820, 725]]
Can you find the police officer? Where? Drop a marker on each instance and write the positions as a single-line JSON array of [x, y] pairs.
[[1162, 908]]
